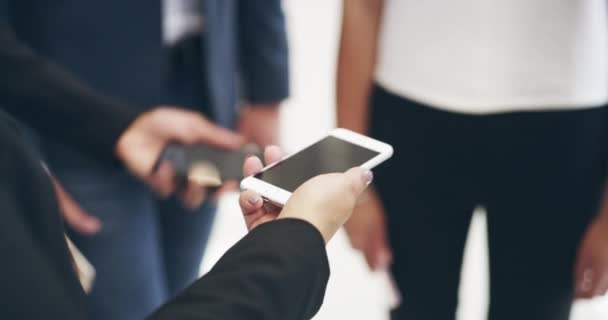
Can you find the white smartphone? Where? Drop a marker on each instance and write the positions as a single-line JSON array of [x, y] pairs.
[[339, 151]]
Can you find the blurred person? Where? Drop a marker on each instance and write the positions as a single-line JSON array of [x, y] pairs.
[[261, 277], [202, 55], [497, 104]]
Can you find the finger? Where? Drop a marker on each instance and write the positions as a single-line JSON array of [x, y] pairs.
[[358, 179], [582, 264], [272, 154], [227, 187], [269, 212], [377, 252], [74, 215], [162, 180], [250, 202], [80, 221], [193, 195], [270, 208], [188, 130], [602, 286], [252, 166], [251, 207], [217, 136], [382, 257], [579, 267], [586, 283]]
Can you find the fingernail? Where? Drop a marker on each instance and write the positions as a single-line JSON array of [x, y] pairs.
[[254, 199], [368, 175]]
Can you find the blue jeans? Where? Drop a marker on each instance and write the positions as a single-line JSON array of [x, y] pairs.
[[147, 250]]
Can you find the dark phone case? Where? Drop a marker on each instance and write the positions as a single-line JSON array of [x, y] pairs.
[[228, 163]]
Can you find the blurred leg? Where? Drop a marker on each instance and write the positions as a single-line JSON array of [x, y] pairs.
[[428, 193], [184, 238], [545, 178], [428, 241], [185, 232], [130, 281]]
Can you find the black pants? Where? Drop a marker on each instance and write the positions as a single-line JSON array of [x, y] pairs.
[[538, 174]]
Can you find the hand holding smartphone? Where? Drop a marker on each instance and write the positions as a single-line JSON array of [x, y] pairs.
[[339, 151]]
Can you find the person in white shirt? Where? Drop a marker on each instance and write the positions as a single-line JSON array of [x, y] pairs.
[[497, 104]]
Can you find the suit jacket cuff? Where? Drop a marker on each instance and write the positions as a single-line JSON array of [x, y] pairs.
[[265, 87]]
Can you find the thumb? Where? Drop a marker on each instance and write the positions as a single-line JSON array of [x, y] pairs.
[[358, 179], [220, 137]]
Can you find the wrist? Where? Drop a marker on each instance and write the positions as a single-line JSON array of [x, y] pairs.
[[356, 124], [124, 141]]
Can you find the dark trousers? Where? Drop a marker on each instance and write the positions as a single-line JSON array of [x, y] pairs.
[[539, 175]]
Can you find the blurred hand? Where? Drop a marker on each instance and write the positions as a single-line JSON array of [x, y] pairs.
[[591, 271], [367, 231], [73, 214], [325, 201], [260, 124], [142, 142]]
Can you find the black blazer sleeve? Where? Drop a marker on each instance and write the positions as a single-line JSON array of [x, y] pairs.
[[279, 271], [36, 273], [55, 103]]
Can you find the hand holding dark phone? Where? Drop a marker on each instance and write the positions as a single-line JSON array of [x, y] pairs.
[[206, 165]]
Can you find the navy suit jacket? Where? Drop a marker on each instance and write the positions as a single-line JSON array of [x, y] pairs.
[[115, 46]]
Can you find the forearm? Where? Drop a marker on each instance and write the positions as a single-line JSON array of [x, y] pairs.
[[278, 271], [356, 62], [55, 103]]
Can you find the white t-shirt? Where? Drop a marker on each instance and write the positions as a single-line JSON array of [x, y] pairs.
[[488, 56], [181, 18]]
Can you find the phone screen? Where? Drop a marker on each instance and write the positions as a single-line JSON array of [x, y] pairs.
[[329, 155]]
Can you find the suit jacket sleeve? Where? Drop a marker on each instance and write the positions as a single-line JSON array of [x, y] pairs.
[[51, 100], [279, 271], [263, 51]]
